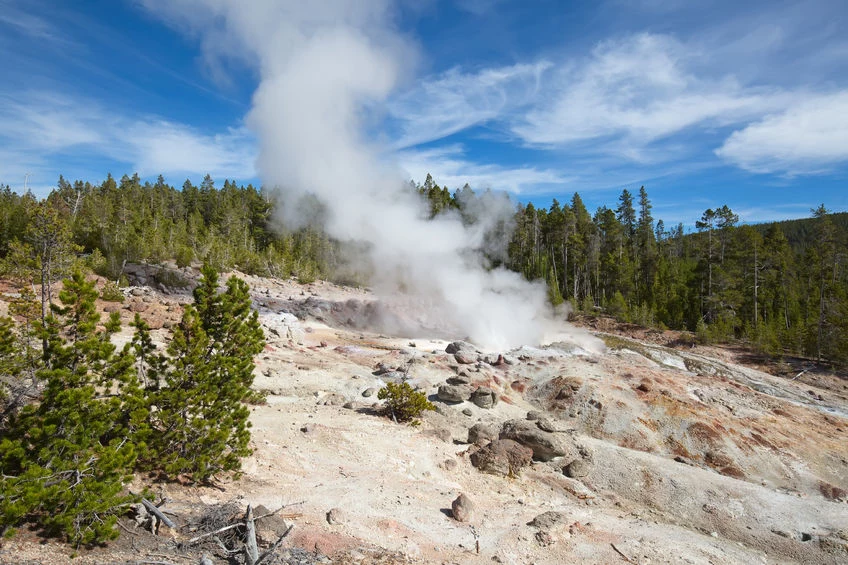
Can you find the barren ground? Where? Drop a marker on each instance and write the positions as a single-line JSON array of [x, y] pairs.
[[698, 454]]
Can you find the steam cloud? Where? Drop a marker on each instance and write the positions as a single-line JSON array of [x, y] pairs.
[[324, 67]]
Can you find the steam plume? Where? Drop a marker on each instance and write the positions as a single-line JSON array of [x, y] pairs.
[[323, 65]]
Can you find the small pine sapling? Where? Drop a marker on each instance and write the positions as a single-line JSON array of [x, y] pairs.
[[404, 403]]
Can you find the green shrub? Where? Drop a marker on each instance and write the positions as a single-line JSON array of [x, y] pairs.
[[404, 402], [111, 292]]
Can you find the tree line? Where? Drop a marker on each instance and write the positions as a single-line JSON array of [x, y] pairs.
[[130, 221], [782, 287], [779, 286]]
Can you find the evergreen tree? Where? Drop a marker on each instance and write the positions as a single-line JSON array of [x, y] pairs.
[[64, 461], [200, 425]]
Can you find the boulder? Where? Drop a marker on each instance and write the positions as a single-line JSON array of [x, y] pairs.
[[578, 468], [482, 433], [484, 397], [465, 357], [454, 393], [502, 457], [462, 508], [459, 346], [545, 445]]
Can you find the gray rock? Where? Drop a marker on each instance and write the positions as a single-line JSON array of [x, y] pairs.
[[461, 379], [546, 425], [534, 415], [467, 412], [335, 516], [548, 520], [502, 457], [454, 393], [578, 468], [459, 346], [462, 508], [482, 433], [545, 445], [484, 397], [466, 357], [369, 392]]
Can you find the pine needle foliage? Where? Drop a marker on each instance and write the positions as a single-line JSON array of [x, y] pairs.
[[403, 402], [65, 459], [200, 425]]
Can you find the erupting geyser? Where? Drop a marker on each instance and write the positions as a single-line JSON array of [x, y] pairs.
[[324, 67]]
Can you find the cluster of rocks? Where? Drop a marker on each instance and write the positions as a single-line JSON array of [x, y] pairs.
[[460, 388], [466, 354], [505, 450], [165, 279]]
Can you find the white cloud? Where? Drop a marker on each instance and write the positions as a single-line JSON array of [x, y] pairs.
[[455, 100], [36, 127], [165, 147], [809, 137], [637, 90], [450, 167]]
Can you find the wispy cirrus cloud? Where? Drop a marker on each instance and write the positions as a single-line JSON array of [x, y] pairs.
[[637, 90], [37, 127], [644, 99], [455, 100]]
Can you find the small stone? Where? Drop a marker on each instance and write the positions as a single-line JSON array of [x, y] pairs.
[[546, 425], [368, 392], [534, 415], [462, 508], [334, 516], [467, 412], [449, 464], [578, 469]]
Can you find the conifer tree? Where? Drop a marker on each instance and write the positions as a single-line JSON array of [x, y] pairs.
[[65, 459], [200, 426]]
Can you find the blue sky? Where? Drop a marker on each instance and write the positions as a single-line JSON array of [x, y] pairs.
[[704, 103]]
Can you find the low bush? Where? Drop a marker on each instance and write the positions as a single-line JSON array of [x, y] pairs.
[[403, 402]]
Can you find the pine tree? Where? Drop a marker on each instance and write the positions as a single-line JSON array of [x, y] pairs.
[[65, 459], [200, 426]]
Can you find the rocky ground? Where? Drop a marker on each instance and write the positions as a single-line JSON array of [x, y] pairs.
[[618, 446]]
